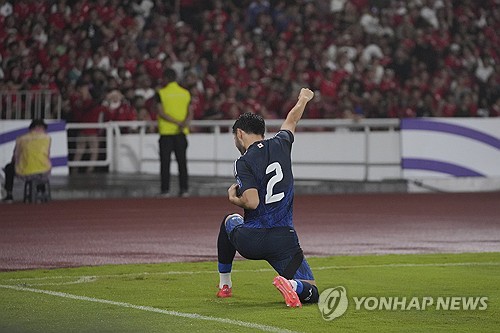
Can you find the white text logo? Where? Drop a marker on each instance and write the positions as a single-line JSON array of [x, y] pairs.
[[454, 303], [333, 303]]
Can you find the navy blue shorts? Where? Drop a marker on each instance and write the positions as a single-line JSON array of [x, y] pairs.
[[277, 246]]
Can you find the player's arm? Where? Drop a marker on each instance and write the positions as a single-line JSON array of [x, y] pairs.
[[296, 112], [248, 199]]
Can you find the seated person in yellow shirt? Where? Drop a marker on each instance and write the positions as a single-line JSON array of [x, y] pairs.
[[31, 157]]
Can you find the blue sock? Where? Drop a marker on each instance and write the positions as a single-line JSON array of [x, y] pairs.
[[225, 268], [300, 286]]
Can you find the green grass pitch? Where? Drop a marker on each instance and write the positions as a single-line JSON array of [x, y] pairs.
[[180, 297]]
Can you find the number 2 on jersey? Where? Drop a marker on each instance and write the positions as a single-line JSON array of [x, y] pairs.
[[270, 197]]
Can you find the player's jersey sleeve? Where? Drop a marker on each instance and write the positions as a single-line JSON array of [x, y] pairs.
[[244, 176], [286, 137]]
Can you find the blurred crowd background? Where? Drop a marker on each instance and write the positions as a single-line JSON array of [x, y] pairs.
[[364, 58]]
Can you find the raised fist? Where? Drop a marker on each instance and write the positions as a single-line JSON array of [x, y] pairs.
[[306, 93]]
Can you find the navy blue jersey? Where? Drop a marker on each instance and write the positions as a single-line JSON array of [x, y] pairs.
[[267, 167]]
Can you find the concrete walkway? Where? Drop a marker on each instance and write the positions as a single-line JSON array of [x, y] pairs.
[[109, 185]]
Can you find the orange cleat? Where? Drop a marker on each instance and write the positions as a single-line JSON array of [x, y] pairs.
[[285, 288], [225, 292]]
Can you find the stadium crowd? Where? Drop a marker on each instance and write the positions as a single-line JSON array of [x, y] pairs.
[[364, 58]]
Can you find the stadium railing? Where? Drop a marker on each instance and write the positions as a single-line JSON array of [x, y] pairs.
[[29, 104], [111, 136]]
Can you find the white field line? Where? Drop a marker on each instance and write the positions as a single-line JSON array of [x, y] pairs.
[[81, 279], [92, 278], [196, 316]]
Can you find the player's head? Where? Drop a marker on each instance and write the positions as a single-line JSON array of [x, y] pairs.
[[247, 124], [250, 123]]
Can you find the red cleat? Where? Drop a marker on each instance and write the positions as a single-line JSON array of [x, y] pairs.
[[285, 288], [225, 292]]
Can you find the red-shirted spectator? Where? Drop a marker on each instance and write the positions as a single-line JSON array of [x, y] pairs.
[[252, 104], [60, 15], [80, 12], [46, 82], [153, 63], [86, 110], [105, 10], [218, 16], [198, 103], [23, 10], [447, 107], [119, 109]]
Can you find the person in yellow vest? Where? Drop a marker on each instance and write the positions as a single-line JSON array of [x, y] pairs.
[[174, 116], [31, 157]]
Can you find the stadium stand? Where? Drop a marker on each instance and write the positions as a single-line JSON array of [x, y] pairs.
[[365, 58]]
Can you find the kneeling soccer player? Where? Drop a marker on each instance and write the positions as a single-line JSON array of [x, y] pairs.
[[264, 189]]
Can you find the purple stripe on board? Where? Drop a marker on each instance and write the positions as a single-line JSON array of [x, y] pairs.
[[12, 135], [443, 167], [56, 127], [432, 125], [59, 161]]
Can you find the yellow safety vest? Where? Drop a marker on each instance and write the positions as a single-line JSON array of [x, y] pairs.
[[175, 101], [32, 154]]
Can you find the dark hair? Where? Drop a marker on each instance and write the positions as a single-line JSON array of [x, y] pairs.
[[170, 74], [250, 123], [38, 123]]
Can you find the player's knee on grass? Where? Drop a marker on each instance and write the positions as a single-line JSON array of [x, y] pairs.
[[309, 293]]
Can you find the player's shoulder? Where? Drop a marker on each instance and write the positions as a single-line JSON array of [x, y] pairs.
[[281, 138], [284, 135]]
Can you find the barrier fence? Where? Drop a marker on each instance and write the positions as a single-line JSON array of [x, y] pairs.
[[29, 104], [134, 139]]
